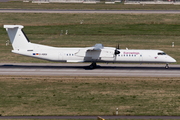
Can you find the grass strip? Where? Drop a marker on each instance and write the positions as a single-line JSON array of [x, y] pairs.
[[43, 95]]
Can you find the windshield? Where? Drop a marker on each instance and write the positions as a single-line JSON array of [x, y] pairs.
[[161, 53]]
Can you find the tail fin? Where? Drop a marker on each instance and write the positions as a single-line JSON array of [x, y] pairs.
[[17, 37]]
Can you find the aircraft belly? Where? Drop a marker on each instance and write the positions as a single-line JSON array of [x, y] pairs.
[[107, 59]]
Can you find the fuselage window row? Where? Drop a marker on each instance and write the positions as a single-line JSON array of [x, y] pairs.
[[69, 54], [127, 55]]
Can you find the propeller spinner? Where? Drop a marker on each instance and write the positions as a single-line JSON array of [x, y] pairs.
[[116, 50]]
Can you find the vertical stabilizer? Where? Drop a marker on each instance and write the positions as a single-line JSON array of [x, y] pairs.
[[17, 37]]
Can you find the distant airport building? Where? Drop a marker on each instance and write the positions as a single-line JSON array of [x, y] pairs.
[[175, 2], [112, 1], [65, 1], [4, 0]]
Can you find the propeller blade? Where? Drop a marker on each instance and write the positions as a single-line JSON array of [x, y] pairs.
[[116, 52]]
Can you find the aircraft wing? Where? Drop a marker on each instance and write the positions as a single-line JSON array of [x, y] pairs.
[[95, 52], [96, 47], [83, 52]]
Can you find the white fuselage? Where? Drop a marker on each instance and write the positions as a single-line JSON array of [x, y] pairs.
[[85, 55]]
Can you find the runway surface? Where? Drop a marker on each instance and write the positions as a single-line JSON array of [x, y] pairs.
[[91, 11], [66, 69], [89, 117]]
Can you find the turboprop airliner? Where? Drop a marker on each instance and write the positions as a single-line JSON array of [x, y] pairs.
[[97, 53]]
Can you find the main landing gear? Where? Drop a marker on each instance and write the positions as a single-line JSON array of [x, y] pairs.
[[93, 65], [167, 66]]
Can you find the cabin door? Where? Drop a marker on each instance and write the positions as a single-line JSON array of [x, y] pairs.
[[141, 58]]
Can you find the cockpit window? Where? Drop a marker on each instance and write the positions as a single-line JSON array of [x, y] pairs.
[[162, 53]]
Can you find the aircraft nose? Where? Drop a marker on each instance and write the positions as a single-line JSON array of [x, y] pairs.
[[172, 60]]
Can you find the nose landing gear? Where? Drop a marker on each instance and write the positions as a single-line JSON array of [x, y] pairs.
[[167, 66]]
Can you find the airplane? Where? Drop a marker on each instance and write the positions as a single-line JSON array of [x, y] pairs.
[[97, 53]]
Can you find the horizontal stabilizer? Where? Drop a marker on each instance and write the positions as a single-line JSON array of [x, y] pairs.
[[13, 26]]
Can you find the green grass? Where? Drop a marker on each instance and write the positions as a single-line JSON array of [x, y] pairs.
[[98, 6], [35, 19], [88, 96], [134, 31]]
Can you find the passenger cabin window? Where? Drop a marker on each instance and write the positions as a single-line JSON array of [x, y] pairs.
[[162, 53]]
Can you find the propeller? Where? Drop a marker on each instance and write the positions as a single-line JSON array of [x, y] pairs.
[[116, 52]]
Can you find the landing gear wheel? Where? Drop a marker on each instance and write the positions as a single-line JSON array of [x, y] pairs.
[[167, 66], [93, 65]]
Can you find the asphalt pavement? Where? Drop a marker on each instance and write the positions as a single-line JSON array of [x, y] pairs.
[[71, 69]]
